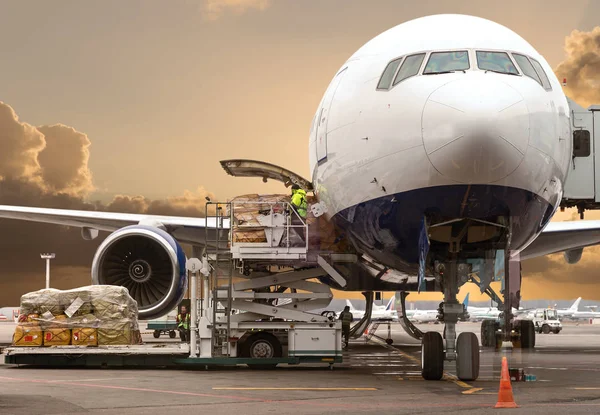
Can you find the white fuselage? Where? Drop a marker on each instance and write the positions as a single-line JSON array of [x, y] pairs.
[[472, 143]]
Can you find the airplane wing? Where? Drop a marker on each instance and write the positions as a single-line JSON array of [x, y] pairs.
[[184, 229], [564, 236]]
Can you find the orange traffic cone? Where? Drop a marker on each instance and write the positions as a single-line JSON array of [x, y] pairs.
[[505, 394]]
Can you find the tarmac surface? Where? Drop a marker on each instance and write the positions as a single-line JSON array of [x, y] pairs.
[[374, 378]]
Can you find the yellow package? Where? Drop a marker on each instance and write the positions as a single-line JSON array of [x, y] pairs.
[[115, 333], [84, 337], [57, 337], [28, 335]]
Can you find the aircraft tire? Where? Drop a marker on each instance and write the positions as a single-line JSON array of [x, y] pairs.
[[432, 356], [467, 356], [527, 334]]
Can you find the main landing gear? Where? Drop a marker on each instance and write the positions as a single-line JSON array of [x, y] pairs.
[[464, 349]]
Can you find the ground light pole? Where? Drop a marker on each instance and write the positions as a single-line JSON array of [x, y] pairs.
[[47, 257]]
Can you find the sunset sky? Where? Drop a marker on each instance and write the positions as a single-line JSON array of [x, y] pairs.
[[152, 94]]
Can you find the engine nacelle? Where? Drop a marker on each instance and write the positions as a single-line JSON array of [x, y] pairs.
[[573, 256], [148, 262]]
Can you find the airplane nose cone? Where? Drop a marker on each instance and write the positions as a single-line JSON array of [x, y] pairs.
[[475, 130]]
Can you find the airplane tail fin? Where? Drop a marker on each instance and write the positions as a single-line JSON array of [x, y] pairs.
[[575, 305], [466, 300], [390, 304], [349, 304]]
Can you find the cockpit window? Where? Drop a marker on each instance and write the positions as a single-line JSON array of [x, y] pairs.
[[527, 67], [496, 62], [445, 62], [540, 71], [410, 67], [388, 74]]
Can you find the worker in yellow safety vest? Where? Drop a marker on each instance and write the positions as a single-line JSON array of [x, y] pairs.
[[183, 324], [299, 201], [300, 207]]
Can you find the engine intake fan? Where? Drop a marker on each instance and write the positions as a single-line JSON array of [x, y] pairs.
[[148, 262]]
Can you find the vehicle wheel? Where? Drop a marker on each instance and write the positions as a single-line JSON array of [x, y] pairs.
[[389, 341], [527, 334], [545, 329], [488, 333], [262, 345], [467, 356], [556, 331], [156, 334], [432, 356], [172, 334]]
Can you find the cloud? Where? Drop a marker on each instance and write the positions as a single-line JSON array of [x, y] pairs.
[[213, 9], [48, 167], [189, 204], [20, 145], [582, 66], [64, 160]]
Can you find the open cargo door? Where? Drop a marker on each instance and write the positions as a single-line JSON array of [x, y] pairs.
[[253, 168]]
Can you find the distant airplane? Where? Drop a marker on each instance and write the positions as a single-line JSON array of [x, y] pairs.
[[569, 312], [11, 313], [379, 312]]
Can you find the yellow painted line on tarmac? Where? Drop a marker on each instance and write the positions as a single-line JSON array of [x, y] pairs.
[[586, 389], [472, 391], [295, 389]]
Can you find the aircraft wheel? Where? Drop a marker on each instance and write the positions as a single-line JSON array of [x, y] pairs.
[[156, 334], [527, 334], [432, 356], [467, 356]]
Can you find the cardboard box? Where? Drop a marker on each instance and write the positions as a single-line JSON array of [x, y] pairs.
[[57, 337], [27, 336], [84, 337]]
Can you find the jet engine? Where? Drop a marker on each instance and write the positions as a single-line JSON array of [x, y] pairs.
[[573, 256], [148, 262]]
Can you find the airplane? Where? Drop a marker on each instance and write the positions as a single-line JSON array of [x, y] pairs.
[[379, 312], [11, 313], [571, 311], [443, 140]]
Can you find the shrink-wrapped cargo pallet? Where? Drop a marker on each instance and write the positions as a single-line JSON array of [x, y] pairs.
[[89, 316]]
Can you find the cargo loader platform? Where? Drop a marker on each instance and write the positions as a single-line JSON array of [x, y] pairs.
[[171, 355]]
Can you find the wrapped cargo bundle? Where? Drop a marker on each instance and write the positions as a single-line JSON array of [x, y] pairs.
[[87, 316], [246, 209]]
